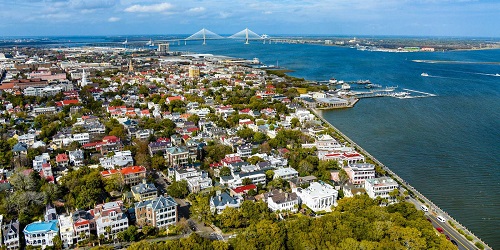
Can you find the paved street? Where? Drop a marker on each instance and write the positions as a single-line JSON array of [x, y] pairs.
[[462, 242]]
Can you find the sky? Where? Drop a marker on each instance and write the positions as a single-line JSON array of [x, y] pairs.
[[462, 18]]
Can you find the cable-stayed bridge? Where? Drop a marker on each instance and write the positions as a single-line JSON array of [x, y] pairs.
[[246, 35]]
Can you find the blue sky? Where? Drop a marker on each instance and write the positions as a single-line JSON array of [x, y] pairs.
[[331, 17]]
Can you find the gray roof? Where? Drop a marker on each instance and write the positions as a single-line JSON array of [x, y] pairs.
[[19, 147], [143, 188], [223, 199], [157, 203], [279, 198]]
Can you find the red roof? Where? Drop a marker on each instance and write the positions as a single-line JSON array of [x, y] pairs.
[[81, 222], [173, 98], [216, 165], [244, 189], [108, 172], [185, 137], [192, 129], [110, 139], [133, 170], [61, 158], [247, 110]]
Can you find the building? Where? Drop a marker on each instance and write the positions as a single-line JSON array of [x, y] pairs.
[[360, 172], [380, 187], [110, 218], [285, 173], [66, 230], [119, 159], [40, 160], [282, 201], [41, 233], [133, 175], [327, 143], [176, 156], [159, 212], [319, 196], [144, 191], [163, 47], [10, 235], [194, 72], [197, 179], [222, 200], [76, 157], [244, 150], [83, 223], [158, 146]]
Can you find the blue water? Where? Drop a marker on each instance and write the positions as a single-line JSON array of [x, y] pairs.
[[446, 146]]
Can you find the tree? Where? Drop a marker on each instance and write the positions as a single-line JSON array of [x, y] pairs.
[[178, 189], [343, 177], [194, 118], [158, 162], [295, 122], [245, 133], [259, 137], [58, 244], [254, 160], [225, 171], [246, 181]]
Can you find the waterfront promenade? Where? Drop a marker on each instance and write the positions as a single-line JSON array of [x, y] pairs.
[[465, 238]]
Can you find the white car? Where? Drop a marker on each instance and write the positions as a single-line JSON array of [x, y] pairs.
[[441, 219]]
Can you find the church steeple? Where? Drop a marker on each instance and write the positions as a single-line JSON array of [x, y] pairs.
[[83, 82]]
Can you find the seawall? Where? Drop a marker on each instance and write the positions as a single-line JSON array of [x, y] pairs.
[[402, 182]]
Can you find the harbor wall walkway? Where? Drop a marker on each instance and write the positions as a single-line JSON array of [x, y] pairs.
[[402, 182]]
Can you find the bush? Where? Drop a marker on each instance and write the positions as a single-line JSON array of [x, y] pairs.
[[470, 238], [479, 245]]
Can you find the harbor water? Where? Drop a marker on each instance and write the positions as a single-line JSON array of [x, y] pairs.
[[446, 146]]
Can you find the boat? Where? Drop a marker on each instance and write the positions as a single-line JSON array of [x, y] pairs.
[[497, 74], [424, 74]]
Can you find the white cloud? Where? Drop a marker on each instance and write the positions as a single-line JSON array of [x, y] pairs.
[[113, 19], [161, 7], [197, 10], [224, 14]]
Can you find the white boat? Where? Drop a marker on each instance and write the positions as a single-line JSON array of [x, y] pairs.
[[126, 41], [424, 74], [497, 74]]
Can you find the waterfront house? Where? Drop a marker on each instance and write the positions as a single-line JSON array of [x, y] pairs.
[[83, 222], [110, 218], [10, 234], [66, 230], [159, 212], [359, 172], [380, 187], [41, 233]]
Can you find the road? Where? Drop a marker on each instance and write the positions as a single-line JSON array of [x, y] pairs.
[[462, 242]]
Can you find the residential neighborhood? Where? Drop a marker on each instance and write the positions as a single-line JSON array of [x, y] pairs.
[[100, 146]]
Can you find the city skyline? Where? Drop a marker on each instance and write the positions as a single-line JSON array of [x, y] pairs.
[[465, 18]]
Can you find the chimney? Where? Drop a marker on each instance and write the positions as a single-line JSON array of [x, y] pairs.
[[144, 181]]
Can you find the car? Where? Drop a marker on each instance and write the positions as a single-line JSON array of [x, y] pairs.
[[429, 220], [439, 229], [424, 208], [447, 237], [441, 219], [454, 242]]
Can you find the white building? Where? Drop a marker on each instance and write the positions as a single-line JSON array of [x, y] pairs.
[[40, 160], [327, 143], [81, 138], [318, 196], [197, 179], [76, 157], [120, 159], [285, 173], [380, 187], [41, 233], [29, 139], [66, 230], [10, 234], [360, 172], [110, 215], [283, 201]]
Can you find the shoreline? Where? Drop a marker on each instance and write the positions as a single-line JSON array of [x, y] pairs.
[[401, 181]]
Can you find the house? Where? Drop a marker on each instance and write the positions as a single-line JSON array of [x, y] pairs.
[[27, 139], [220, 201], [360, 172], [120, 159], [10, 235], [133, 175], [20, 149], [144, 191], [159, 212], [40, 160], [282, 201], [341, 157], [50, 213], [176, 156], [110, 216], [197, 179], [380, 187], [66, 230], [241, 190], [158, 146], [41, 233], [285, 173], [319, 196], [62, 160], [81, 138], [76, 157], [327, 143], [245, 150], [83, 223]]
